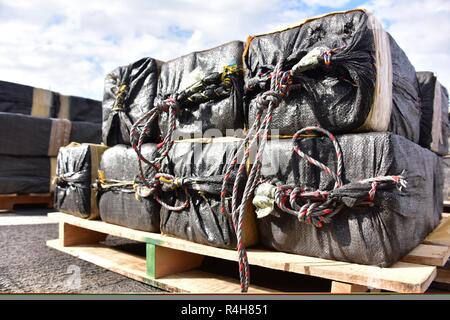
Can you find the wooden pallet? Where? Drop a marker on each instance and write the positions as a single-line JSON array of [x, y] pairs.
[[172, 264], [9, 201]]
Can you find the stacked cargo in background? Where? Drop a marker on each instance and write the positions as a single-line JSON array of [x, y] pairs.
[[348, 77], [34, 124], [434, 131]]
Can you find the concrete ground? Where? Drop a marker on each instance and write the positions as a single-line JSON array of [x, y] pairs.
[[27, 265]]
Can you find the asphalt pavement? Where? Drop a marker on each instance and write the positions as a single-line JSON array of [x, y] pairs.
[[27, 265]]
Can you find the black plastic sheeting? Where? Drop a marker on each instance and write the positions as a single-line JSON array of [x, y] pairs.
[[73, 191], [427, 84], [215, 116], [18, 98], [120, 206], [203, 166], [24, 174], [378, 235], [337, 97], [81, 109], [24, 185], [24, 135], [123, 107]]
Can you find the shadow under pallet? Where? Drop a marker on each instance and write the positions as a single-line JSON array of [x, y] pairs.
[[178, 265]]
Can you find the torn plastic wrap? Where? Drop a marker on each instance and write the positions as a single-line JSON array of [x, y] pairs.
[[208, 86], [24, 135], [348, 75], [23, 99], [76, 172], [434, 121], [200, 169], [26, 174], [118, 202], [129, 94], [378, 234]]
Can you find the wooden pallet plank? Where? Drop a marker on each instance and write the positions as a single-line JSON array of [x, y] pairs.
[[440, 235], [134, 267], [443, 276], [341, 287], [163, 261], [8, 201], [70, 235], [430, 255], [401, 277]]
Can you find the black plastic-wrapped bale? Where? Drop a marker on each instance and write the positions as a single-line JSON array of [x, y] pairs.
[[76, 108], [118, 203], [76, 172], [24, 185], [216, 104], [23, 99], [24, 135], [26, 174], [201, 167], [19, 98], [434, 121], [380, 234], [129, 94], [350, 75]]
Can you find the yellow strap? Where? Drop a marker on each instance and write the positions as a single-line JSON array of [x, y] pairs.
[[42, 102], [64, 107], [96, 154], [53, 163], [59, 136]]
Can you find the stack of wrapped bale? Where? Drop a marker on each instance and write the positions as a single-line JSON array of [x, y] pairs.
[[128, 96], [356, 196], [208, 89], [434, 133], [34, 124]]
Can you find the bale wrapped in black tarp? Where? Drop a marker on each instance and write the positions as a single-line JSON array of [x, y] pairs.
[[76, 108], [211, 84], [23, 99], [118, 203], [24, 135], [128, 95], [11, 166], [349, 75], [201, 167], [19, 98], [24, 185], [76, 172], [26, 174], [378, 234], [434, 121]]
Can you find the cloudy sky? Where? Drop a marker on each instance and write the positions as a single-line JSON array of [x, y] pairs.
[[69, 46]]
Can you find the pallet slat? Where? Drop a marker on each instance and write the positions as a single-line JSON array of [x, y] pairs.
[[134, 267], [401, 277], [440, 235], [8, 201]]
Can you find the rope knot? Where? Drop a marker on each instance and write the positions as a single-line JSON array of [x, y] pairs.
[[120, 97], [166, 104], [268, 97]]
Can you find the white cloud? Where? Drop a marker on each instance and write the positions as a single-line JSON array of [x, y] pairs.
[[69, 46], [422, 29]]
